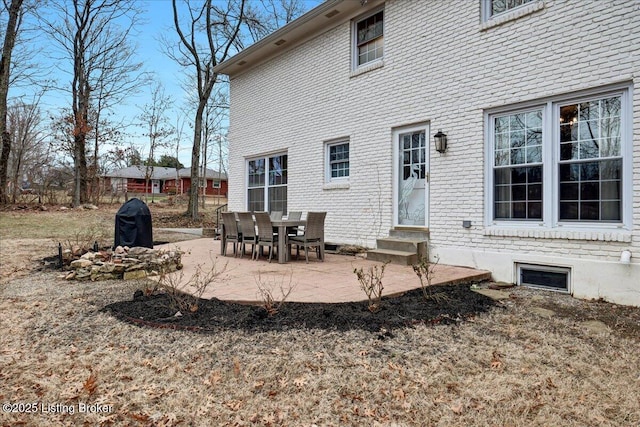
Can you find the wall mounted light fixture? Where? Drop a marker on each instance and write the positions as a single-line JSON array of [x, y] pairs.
[[440, 140]]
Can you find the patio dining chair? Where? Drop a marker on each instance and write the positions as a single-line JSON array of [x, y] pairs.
[[231, 233], [313, 236], [266, 235], [275, 215], [294, 215], [248, 230]]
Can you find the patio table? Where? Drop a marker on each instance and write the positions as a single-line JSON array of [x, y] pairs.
[[282, 225]]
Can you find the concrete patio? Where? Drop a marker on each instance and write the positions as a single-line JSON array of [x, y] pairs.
[[330, 281]]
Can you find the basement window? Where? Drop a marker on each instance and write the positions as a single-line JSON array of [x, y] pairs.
[[544, 276]]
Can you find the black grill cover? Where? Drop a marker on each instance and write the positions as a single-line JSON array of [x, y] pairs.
[[133, 225]]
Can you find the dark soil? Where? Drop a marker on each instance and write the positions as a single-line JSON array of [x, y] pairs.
[[450, 304]]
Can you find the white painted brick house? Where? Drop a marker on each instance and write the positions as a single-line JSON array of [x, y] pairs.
[[540, 104]]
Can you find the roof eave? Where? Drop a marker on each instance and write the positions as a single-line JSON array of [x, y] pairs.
[[327, 15]]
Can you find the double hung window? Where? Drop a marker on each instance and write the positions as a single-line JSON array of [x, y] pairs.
[[337, 161], [496, 7], [369, 38], [495, 12], [560, 162], [267, 183]]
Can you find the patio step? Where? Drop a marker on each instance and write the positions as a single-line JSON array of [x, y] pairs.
[[403, 246], [414, 246], [392, 256], [409, 233]]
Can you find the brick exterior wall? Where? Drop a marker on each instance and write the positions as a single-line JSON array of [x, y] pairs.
[[443, 67]]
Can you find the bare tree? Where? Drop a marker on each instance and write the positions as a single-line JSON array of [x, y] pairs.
[[120, 157], [179, 135], [117, 78], [94, 35], [24, 123], [10, 35], [214, 149], [266, 16], [154, 117], [207, 37]]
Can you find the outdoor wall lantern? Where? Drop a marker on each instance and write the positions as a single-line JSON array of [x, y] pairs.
[[441, 141]]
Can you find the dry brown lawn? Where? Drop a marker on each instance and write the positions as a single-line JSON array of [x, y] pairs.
[[516, 365]]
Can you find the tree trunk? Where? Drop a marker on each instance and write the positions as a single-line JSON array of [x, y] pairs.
[[5, 68], [192, 209], [16, 177]]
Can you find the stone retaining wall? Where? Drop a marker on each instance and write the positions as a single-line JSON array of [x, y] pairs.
[[124, 263]]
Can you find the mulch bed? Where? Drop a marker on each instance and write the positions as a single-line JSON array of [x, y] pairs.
[[451, 304]]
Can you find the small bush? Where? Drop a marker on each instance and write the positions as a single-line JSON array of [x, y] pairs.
[[425, 270], [271, 303], [185, 296], [371, 284]]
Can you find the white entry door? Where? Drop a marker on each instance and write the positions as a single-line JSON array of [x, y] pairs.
[[155, 186], [412, 176]]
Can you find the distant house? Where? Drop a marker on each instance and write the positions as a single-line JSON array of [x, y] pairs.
[[539, 181], [163, 180]]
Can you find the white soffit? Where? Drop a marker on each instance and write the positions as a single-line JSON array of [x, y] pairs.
[[329, 14]]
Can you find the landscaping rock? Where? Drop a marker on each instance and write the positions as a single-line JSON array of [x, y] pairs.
[[139, 250], [595, 326], [124, 263], [501, 285], [89, 255], [81, 263], [492, 293], [134, 275], [543, 312]]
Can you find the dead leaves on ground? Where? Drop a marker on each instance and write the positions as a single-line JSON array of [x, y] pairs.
[[497, 362], [90, 385]]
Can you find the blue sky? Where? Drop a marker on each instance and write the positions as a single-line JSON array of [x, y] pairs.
[[157, 20]]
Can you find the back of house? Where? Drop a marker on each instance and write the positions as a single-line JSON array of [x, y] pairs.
[[505, 131]]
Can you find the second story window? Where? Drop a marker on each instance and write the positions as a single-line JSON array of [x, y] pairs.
[[495, 7], [369, 38]]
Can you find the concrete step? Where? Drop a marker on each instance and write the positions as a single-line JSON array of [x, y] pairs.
[[408, 233], [407, 245], [393, 256]]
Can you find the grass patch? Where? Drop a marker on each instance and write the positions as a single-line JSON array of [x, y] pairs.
[[54, 225]]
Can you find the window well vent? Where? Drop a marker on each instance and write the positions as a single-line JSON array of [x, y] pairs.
[[544, 276]]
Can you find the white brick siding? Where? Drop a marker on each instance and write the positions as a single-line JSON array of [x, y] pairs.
[[440, 68]]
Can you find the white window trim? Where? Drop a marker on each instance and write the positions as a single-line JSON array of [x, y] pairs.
[[266, 185], [551, 226], [371, 65], [487, 21], [328, 179]]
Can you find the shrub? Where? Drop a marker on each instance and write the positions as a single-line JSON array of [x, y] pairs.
[[185, 296], [271, 303], [371, 284], [425, 270]]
